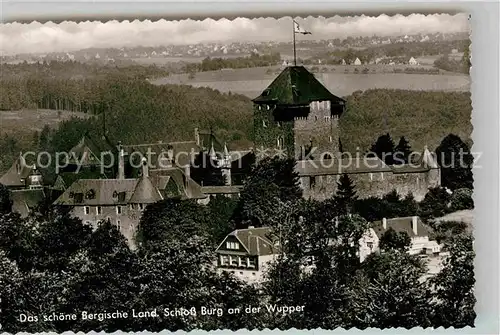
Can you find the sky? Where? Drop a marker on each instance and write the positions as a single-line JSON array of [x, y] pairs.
[[68, 36]]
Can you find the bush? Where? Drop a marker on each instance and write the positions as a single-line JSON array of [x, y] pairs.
[[461, 199]]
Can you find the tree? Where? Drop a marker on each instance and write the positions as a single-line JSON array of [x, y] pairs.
[[383, 148], [5, 200], [461, 199], [436, 203], [346, 193], [171, 220], [221, 209], [402, 151], [455, 160], [388, 292], [272, 179], [454, 285], [395, 240]]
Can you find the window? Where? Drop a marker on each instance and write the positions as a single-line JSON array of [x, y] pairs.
[[279, 142], [241, 273], [232, 245], [99, 210], [381, 176], [371, 176], [370, 245], [312, 181], [253, 273], [78, 198], [250, 263], [118, 224], [141, 207], [330, 138], [87, 222], [118, 209], [233, 261], [264, 123], [223, 260], [86, 210]]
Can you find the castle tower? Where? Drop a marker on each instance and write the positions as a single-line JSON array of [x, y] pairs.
[[298, 116], [225, 166]]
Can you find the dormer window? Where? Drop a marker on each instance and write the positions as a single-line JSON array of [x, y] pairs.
[[265, 93], [268, 107], [232, 245]]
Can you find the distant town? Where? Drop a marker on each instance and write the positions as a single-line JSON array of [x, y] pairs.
[[196, 52]]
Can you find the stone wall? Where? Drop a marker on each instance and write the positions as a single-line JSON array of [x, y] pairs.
[[127, 221], [268, 132], [319, 129], [369, 184]]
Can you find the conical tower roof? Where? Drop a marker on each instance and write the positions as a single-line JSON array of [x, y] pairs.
[[295, 85], [145, 192]]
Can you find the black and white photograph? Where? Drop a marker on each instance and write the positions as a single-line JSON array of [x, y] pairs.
[[255, 173]]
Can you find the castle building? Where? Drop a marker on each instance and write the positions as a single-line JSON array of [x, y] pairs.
[[298, 117]]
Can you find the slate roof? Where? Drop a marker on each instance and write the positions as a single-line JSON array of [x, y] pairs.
[[182, 151], [23, 201], [86, 152], [69, 178], [403, 224], [339, 166], [186, 186], [256, 240], [12, 178], [145, 192], [221, 189], [106, 192], [295, 85]]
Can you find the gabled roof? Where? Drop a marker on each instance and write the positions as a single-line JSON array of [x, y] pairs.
[[182, 151], [68, 178], [98, 192], [145, 192], [86, 152], [256, 240], [17, 173], [186, 186], [403, 224], [295, 85], [23, 201]]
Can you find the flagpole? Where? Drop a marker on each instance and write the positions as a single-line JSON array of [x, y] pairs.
[[294, 51]]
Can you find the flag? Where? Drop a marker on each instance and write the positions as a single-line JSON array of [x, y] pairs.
[[299, 30]]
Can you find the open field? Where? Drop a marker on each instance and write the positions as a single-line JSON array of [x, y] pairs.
[[172, 59], [31, 120], [251, 82]]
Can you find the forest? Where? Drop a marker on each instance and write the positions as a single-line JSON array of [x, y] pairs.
[[214, 64], [139, 112], [52, 263]]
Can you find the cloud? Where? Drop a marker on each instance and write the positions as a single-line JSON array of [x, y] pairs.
[[67, 36]]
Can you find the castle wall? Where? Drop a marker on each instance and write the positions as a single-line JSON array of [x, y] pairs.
[[127, 221], [369, 184], [270, 133], [319, 129]]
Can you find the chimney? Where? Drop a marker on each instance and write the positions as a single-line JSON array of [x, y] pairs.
[[197, 136], [414, 224], [145, 167], [121, 162], [384, 223]]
